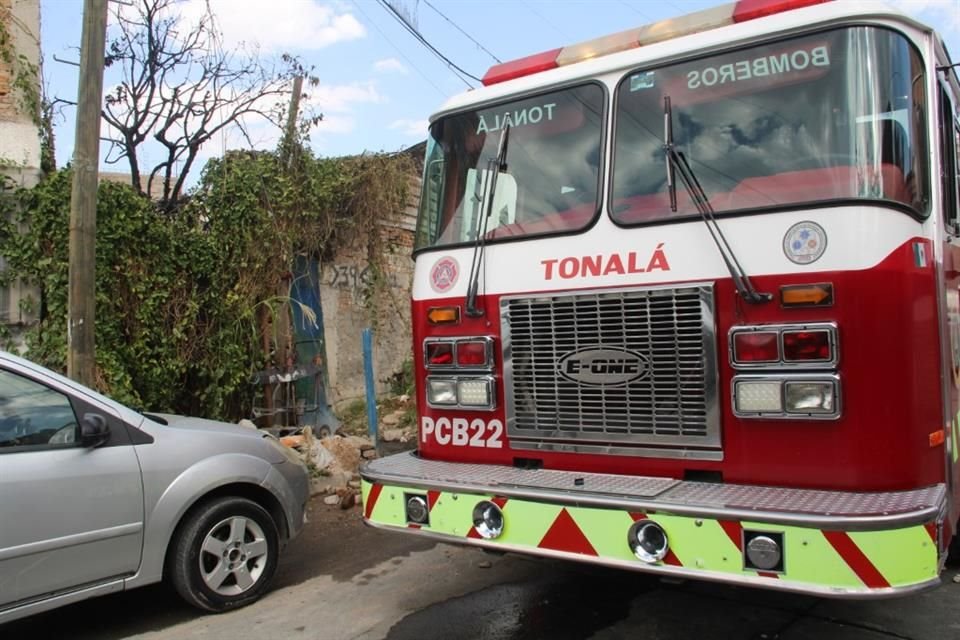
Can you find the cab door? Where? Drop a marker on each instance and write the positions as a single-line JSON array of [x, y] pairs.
[[949, 156], [71, 512]]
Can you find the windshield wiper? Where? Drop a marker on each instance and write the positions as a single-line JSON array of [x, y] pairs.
[[495, 166], [677, 165]]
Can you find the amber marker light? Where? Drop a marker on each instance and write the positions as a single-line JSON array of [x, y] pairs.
[[807, 295], [443, 315], [937, 438]]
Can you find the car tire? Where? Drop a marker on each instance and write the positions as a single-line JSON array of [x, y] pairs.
[[224, 554]]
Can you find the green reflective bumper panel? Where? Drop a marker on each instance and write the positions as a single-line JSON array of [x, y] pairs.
[[832, 562]]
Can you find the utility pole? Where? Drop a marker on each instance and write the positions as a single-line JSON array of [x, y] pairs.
[[83, 196], [290, 131]]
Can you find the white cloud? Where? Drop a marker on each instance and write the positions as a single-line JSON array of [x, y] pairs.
[[943, 15], [341, 98], [337, 124], [389, 65], [411, 128], [278, 25]]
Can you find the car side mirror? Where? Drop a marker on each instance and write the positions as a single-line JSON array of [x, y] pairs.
[[93, 430]]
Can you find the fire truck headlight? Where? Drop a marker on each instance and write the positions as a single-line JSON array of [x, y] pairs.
[[488, 520], [758, 396], [475, 392], [441, 391], [648, 541], [810, 397]]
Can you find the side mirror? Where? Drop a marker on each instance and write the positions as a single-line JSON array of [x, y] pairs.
[[93, 430]]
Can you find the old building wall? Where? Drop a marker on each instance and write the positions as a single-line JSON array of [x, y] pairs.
[[19, 128], [343, 288], [19, 132]]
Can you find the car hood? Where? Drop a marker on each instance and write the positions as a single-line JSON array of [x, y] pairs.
[[215, 437], [208, 426]]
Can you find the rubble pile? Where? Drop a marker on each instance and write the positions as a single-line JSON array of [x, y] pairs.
[[334, 461]]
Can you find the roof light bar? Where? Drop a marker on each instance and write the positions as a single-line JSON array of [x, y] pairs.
[[521, 67], [724, 15], [752, 9]]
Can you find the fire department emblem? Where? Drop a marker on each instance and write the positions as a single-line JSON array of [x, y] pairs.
[[805, 242], [444, 274]]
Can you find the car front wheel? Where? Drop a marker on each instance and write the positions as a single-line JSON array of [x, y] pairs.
[[225, 554]]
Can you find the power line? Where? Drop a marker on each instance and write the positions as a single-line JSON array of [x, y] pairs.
[[416, 34], [637, 11], [543, 19], [455, 26], [399, 51]]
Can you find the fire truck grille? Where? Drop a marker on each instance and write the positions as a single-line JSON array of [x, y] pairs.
[[625, 371]]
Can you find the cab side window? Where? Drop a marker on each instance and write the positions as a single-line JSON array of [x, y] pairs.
[[949, 162], [33, 415]]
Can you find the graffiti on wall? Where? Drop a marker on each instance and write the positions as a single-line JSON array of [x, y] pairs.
[[353, 277]]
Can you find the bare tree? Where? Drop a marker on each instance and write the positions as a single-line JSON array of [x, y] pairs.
[[179, 89]]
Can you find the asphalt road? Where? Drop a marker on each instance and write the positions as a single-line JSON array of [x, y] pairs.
[[343, 580]]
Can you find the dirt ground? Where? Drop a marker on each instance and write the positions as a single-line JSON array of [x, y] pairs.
[[341, 579]]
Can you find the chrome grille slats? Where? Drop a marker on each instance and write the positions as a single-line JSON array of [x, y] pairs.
[[672, 405]]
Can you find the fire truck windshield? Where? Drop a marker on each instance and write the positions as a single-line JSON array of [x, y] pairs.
[[833, 116], [552, 183]]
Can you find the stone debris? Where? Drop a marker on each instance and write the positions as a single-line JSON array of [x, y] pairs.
[[347, 497], [320, 456], [335, 460], [391, 435], [484, 564], [346, 451], [956, 578], [391, 419], [397, 435], [294, 442], [332, 500]]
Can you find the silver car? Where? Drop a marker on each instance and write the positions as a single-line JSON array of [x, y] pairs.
[[97, 498]]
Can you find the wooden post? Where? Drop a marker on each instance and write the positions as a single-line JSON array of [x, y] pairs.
[[290, 131], [83, 196]]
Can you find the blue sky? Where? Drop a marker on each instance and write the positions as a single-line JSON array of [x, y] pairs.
[[378, 85]]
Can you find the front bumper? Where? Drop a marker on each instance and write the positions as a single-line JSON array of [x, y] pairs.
[[290, 483], [835, 543]]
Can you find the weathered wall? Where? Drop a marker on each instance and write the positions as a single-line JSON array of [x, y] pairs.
[[342, 288], [19, 133]]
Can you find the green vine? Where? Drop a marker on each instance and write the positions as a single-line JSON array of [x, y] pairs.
[[25, 84], [25, 75], [184, 299]]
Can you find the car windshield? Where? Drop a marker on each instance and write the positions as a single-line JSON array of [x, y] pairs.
[[552, 178], [832, 116]]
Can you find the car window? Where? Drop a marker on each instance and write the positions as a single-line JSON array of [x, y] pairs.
[[34, 415]]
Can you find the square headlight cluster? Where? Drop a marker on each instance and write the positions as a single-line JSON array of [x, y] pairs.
[[469, 393], [462, 369], [788, 371], [794, 396]]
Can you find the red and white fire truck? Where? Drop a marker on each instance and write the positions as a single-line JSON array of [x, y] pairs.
[[687, 301]]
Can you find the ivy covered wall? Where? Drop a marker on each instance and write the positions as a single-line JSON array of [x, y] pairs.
[[191, 303]]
